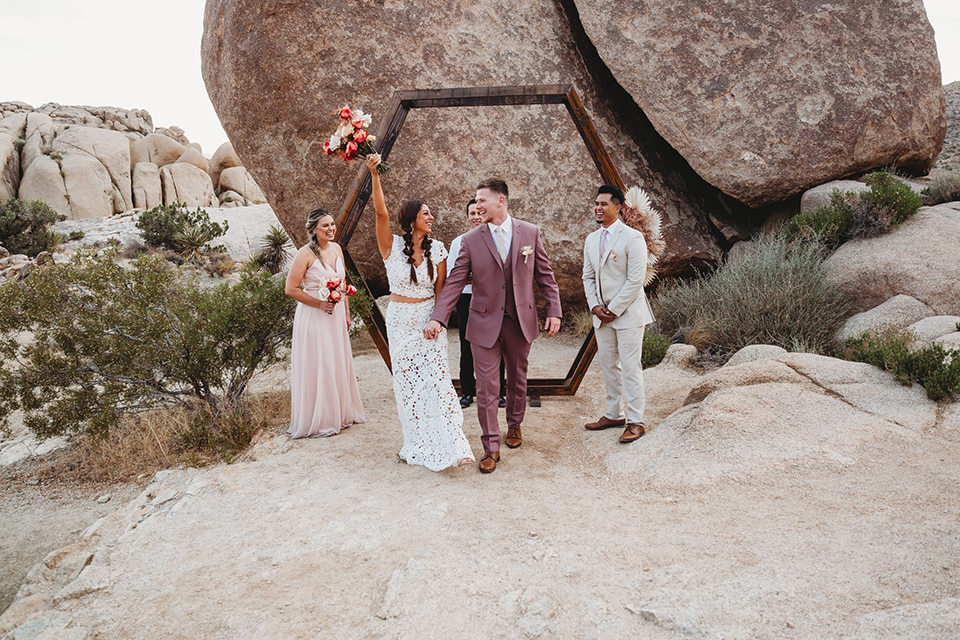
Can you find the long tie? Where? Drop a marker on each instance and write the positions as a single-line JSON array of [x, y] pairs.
[[502, 245], [603, 242]]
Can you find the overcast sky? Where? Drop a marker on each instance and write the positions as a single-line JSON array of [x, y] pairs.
[[146, 55]]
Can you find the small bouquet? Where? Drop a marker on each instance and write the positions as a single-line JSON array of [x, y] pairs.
[[640, 214], [335, 290], [352, 139]]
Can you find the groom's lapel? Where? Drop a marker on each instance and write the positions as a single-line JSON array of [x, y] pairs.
[[515, 244], [611, 242], [491, 244]]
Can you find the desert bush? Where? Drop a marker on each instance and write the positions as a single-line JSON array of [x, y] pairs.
[[944, 187], [220, 264], [177, 228], [857, 215], [827, 225], [933, 367], [361, 304], [275, 250], [109, 341], [655, 347], [24, 226], [776, 293]]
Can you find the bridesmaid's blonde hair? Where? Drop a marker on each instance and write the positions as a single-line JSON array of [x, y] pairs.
[[313, 219]]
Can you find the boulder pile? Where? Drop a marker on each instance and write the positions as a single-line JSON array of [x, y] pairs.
[[89, 162]]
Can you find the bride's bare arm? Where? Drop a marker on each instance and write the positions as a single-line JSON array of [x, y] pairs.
[[384, 237]]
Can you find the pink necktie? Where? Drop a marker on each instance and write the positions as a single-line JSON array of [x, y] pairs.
[[603, 242]]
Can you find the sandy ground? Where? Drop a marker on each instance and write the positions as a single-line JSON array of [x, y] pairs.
[[334, 538]]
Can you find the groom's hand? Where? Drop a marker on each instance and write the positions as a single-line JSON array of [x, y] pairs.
[[432, 330], [603, 313], [552, 326]]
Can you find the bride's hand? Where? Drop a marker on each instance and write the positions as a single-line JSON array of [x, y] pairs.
[[372, 160]]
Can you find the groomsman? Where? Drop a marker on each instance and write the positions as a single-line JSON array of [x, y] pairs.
[[468, 379], [614, 268]]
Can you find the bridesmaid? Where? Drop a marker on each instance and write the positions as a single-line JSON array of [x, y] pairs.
[[324, 396]]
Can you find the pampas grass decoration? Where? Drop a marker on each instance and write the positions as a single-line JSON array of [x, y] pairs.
[[639, 213]]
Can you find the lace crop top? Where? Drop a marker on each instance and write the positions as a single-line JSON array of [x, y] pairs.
[[398, 270]]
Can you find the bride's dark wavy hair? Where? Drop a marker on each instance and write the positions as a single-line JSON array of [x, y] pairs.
[[409, 211]]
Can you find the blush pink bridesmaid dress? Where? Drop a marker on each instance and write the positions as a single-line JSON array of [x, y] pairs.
[[324, 394]]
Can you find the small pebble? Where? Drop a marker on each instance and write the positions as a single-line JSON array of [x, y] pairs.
[[104, 499]]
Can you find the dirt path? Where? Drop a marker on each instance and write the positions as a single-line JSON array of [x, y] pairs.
[[333, 538]]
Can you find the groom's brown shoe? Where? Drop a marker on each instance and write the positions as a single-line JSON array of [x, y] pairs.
[[632, 432], [604, 423], [488, 463], [514, 439]]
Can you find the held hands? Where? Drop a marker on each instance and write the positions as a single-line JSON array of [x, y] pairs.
[[372, 160], [603, 313], [432, 330], [551, 326]]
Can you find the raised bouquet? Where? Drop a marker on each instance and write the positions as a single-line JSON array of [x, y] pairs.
[[336, 289], [352, 138], [640, 214]]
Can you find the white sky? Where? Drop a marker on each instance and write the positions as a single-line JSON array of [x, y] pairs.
[[146, 55]]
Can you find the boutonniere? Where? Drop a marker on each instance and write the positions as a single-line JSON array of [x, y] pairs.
[[613, 254], [525, 251]]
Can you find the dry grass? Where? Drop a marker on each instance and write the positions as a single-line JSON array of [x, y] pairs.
[[148, 442]]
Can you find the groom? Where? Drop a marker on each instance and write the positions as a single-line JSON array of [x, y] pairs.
[[505, 256]]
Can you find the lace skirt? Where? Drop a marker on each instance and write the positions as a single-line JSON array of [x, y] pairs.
[[430, 413]]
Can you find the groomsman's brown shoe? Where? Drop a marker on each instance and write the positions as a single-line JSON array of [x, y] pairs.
[[604, 423], [488, 463], [514, 439], [632, 432]]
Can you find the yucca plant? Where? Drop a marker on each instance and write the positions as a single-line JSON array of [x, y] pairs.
[[275, 250]]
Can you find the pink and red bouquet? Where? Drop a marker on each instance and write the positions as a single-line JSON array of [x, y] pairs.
[[352, 138], [336, 289]]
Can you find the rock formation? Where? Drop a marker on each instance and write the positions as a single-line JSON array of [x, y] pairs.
[[918, 260], [753, 99], [91, 162]]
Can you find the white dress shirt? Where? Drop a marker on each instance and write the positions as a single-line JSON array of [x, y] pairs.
[[452, 259]]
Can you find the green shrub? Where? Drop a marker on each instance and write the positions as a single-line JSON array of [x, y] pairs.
[[944, 187], [776, 293], [655, 347], [933, 367], [827, 225], [177, 228], [275, 249], [361, 304], [24, 226], [889, 201], [108, 341]]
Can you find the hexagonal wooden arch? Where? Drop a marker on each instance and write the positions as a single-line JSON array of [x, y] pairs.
[[400, 104]]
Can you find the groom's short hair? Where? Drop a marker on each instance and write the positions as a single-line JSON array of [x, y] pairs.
[[472, 202], [494, 184], [614, 192]]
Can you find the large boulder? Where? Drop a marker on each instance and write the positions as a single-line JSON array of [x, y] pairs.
[[822, 195], [194, 157], [278, 115], [42, 180], [39, 133], [90, 190], [109, 148], [238, 179], [918, 259], [223, 158], [899, 311], [9, 165], [765, 99], [188, 185], [147, 190], [156, 148]]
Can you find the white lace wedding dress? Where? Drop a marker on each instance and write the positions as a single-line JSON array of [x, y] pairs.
[[430, 413]]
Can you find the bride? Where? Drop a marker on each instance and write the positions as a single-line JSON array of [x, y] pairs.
[[429, 410]]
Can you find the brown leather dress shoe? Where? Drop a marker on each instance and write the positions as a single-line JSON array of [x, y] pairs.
[[514, 438], [632, 432], [488, 463], [604, 423]]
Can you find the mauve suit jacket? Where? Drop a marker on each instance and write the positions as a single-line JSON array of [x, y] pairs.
[[478, 254]]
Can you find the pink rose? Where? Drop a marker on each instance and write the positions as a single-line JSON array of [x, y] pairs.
[[345, 113], [335, 296], [350, 151], [327, 150], [333, 283], [351, 290], [360, 135]]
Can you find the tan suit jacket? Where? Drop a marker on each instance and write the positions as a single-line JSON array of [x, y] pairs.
[[615, 279]]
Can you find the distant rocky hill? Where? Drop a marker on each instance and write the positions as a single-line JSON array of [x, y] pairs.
[[950, 156]]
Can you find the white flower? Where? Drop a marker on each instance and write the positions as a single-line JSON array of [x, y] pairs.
[[525, 251], [366, 118], [346, 130], [334, 141], [324, 293]]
